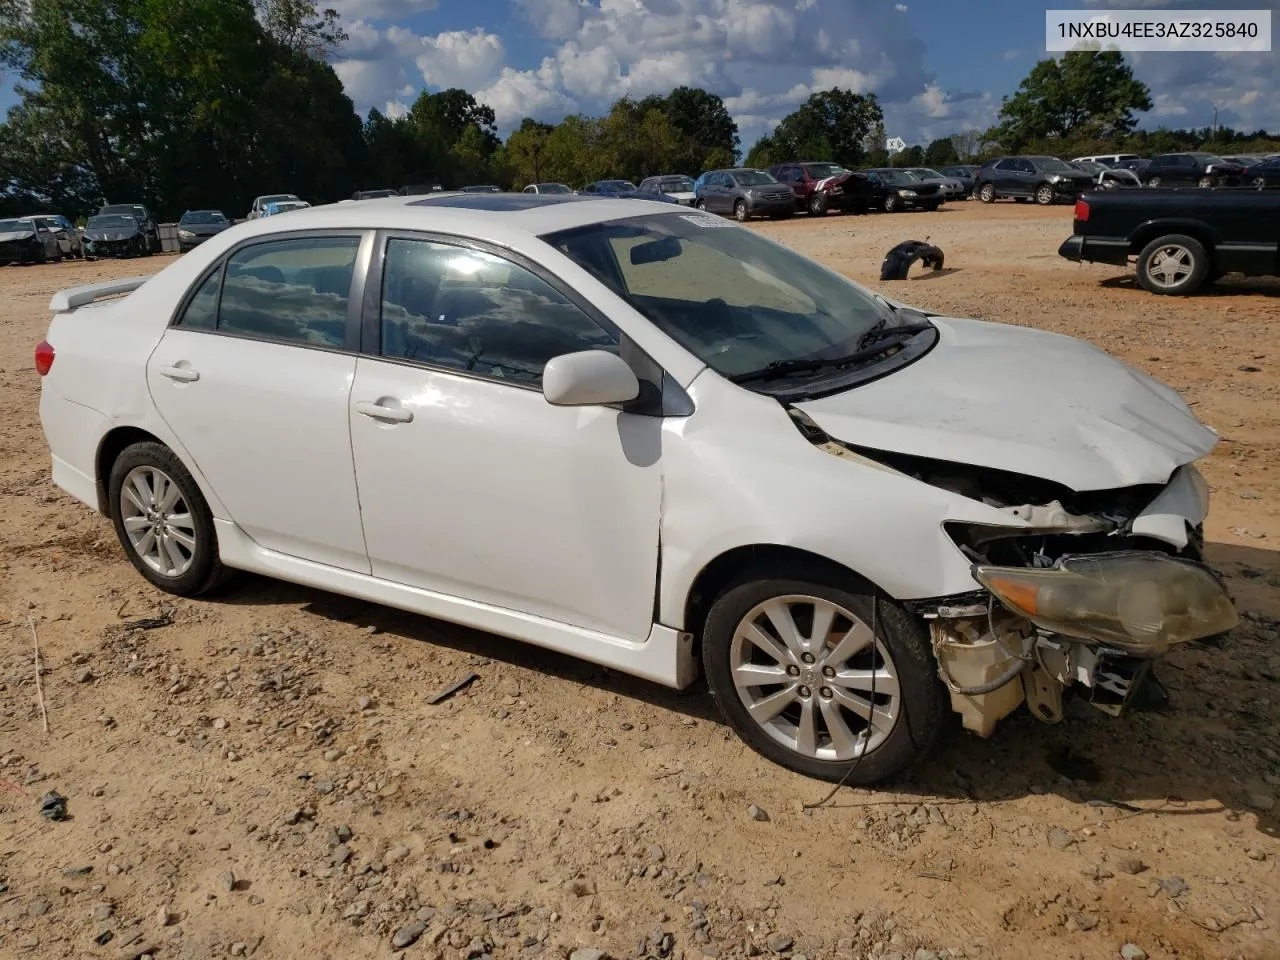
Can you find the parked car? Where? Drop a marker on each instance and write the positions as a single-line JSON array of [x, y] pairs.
[[27, 240], [1191, 169], [197, 226], [621, 190], [1179, 239], [260, 203], [64, 233], [1136, 166], [676, 186], [745, 193], [818, 187], [147, 225], [1264, 174], [374, 194], [482, 188], [1046, 180], [1107, 159], [893, 189], [277, 207], [420, 189], [965, 173], [115, 235], [560, 188], [1108, 178], [770, 459], [951, 188]]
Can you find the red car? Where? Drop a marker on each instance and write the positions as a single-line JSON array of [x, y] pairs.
[[820, 186]]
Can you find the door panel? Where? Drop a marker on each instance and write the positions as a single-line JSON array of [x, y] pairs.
[[267, 425]]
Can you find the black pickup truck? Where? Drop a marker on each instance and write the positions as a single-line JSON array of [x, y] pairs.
[[1181, 239]]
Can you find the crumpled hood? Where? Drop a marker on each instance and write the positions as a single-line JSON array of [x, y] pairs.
[[116, 233], [1022, 400]]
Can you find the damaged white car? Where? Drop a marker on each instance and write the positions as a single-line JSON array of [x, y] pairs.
[[654, 440]]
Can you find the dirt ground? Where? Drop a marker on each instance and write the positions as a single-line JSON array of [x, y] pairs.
[[263, 777]]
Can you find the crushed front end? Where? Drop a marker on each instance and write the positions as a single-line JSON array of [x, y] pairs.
[[1082, 595]]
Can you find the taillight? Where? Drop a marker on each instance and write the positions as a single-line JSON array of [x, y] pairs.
[[44, 357], [1082, 211]]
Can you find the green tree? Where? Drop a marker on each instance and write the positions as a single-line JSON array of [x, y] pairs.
[[764, 153], [522, 157], [1086, 93], [299, 26], [940, 153], [830, 125], [967, 144], [709, 134], [913, 156]]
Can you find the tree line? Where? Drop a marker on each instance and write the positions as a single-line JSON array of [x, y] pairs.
[[186, 104]]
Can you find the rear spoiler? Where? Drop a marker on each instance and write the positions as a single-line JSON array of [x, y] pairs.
[[64, 301]]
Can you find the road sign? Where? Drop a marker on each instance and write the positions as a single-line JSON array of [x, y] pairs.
[[895, 144]]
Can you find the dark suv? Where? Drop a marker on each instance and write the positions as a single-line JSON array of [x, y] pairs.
[[1191, 169], [820, 186], [1045, 180]]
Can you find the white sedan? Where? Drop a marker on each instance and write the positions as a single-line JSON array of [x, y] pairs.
[[652, 439]]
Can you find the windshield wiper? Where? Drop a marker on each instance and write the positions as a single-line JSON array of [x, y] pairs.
[[870, 344]]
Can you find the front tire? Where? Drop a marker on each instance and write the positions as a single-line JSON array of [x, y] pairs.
[[740, 211], [701, 205], [1204, 183], [1174, 265], [1154, 182], [162, 520], [818, 205], [892, 203], [987, 193], [790, 662], [1044, 195]]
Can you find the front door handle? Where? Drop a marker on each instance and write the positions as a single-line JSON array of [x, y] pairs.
[[379, 411], [181, 374]]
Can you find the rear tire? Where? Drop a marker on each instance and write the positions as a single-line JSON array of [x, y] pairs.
[[987, 193], [1154, 182], [817, 731], [163, 503], [1173, 265], [701, 205], [1204, 183]]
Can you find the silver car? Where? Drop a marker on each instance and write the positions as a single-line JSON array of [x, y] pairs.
[[949, 187]]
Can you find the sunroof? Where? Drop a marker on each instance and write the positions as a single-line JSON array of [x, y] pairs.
[[502, 201]]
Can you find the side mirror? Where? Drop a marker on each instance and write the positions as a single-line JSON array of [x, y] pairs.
[[588, 378]]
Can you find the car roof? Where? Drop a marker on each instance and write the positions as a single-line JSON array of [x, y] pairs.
[[490, 216]]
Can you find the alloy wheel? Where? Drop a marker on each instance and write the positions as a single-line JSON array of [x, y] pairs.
[[1171, 265], [815, 678], [158, 521]]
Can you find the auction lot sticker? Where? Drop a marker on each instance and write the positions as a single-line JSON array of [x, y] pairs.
[[1166, 31]]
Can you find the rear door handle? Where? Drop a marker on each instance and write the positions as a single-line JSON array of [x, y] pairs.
[[380, 411], [181, 374]]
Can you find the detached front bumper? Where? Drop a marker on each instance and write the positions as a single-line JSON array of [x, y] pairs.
[[1139, 602]]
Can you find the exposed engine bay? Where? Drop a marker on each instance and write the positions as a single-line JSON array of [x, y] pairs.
[[1078, 594]]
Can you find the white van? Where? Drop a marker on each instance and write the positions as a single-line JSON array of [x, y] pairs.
[[1109, 159]]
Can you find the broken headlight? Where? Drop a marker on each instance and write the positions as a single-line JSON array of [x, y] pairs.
[[1139, 602]]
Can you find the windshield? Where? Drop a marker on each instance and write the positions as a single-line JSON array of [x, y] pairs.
[[276, 198], [553, 188], [203, 216], [110, 222], [676, 185], [753, 178], [12, 226], [735, 300], [820, 171], [615, 186], [1051, 164], [126, 209], [1207, 157], [900, 177]]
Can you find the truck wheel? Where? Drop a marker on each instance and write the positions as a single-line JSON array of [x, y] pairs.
[[790, 660], [1174, 264], [1044, 195], [818, 204], [987, 194]]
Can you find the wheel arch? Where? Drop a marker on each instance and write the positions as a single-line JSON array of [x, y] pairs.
[[122, 436], [751, 561], [1154, 229]]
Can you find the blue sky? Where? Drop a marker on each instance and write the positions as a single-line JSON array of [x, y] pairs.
[[938, 66]]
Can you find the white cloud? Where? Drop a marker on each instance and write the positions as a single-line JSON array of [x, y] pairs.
[[900, 7], [381, 9], [459, 58]]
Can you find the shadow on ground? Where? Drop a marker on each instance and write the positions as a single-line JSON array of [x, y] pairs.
[[1214, 741]]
